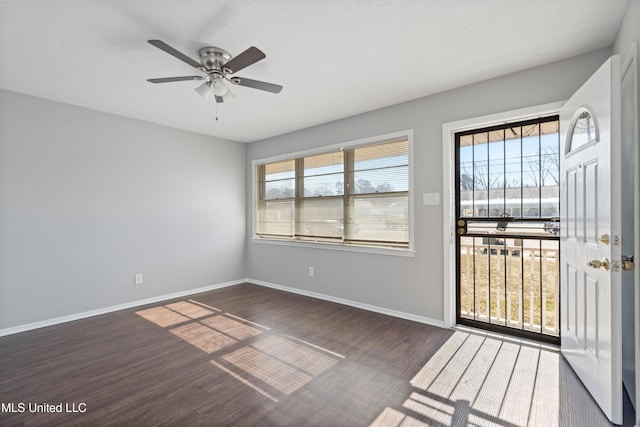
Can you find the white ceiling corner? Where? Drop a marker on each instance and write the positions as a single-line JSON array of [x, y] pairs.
[[335, 58]]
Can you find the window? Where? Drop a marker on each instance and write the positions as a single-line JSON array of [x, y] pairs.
[[583, 130], [352, 195]]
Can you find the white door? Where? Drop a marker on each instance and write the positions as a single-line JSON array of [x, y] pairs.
[[590, 243], [630, 223]]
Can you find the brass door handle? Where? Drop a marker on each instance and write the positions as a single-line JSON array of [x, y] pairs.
[[594, 263]]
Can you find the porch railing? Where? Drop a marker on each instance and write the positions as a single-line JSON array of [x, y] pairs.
[[511, 285]]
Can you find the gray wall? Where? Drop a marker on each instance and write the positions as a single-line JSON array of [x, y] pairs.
[[629, 30], [88, 199], [410, 285]]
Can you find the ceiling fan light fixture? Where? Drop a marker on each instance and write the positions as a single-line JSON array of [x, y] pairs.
[[204, 90], [218, 87], [229, 94]]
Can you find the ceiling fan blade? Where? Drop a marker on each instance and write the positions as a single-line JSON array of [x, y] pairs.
[[243, 60], [257, 84], [174, 52], [219, 99], [174, 79]]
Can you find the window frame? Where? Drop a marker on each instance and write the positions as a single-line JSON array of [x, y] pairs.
[[351, 247]]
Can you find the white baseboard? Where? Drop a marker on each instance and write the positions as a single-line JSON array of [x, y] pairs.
[[160, 298], [96, 312], [356, 304]]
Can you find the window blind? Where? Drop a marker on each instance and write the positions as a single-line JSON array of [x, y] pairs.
[[276, 205], [357, 196]]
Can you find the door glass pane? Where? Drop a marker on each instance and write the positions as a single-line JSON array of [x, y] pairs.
[[550, 161], [583, 132], [480, 175], [530, 171], [513, 171], [496, 173], [465, 175]]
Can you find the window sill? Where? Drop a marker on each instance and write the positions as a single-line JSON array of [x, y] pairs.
[[410, 253]]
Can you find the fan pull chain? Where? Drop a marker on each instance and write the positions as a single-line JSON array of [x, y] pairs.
[[216, 111]]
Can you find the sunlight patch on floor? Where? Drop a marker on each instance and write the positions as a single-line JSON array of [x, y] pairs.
[[299, 356], [233, 328], [203, 337], [243, 381], [279, 375], [480, 381], [190, 310], [162, 316], [391, 417], [273, 366]]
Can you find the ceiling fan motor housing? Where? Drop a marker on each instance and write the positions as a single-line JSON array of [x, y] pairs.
[[213, 58]]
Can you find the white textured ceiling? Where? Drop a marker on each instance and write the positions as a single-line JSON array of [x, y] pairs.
[[335, 58]]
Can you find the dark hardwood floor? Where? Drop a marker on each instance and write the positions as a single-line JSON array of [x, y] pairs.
[[248, 355]]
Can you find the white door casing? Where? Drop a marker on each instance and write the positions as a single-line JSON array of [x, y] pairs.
[[630, 225], [590, 209]]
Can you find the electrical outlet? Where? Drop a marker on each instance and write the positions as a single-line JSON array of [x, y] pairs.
[[311, 271], [137, 280]]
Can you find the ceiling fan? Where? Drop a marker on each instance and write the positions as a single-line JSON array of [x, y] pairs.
[[217, 65]]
